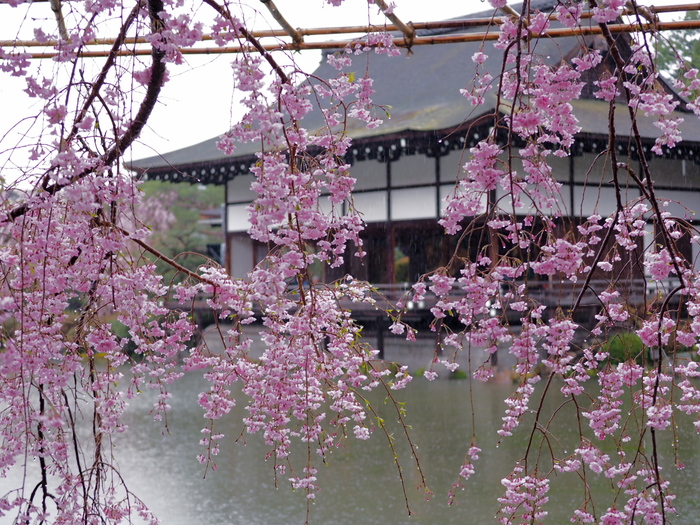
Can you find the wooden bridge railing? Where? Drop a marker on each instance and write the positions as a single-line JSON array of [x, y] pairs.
[[635, 293]]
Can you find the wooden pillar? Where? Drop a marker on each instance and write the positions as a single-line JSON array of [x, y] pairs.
[[380, 324], [572, 167], [391, 248], [437, 185], [227, 235], [391, 241]]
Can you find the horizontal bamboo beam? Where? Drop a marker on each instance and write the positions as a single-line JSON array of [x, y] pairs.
[[400, 42], [272, 33], [676, 8]]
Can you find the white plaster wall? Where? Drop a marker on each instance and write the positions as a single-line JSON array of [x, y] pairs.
[[238, 189], [412, 170], [241, 255], [413, 203], [237, 218], [682, 204], [370, 174], [372, 205], [601, 200]]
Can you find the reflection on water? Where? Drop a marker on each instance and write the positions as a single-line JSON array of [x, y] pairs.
[[360, 484]]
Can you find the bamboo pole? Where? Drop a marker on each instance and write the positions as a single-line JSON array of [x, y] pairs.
[[296, 36], [272, 33], [326, 31], [675, 8], [408, 31], [400, 42], [509, 11]]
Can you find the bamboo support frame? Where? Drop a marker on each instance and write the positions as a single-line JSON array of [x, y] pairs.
[[60, 21], [298, 44], [408, 31], [272, 33], [297, 38], [509, 11], [399, 42]]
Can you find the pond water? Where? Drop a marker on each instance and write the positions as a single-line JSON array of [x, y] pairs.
[[360, 483]]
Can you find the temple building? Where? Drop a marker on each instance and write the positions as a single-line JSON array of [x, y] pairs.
[[408, 165]]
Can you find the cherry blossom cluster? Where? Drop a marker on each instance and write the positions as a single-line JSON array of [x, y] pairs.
[[84, 309], [306, 385], [535, 94], [465, 473], [524, 498], [85, 325], [63, 280]]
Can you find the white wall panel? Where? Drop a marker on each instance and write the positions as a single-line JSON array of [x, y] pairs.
[[241, 255], [591, 169], [683, 204], [413, 203], [237, 218], [326, 206], [451, 165], [372, 205], [593, 199], [413, 169], [560, 167], [370, 174], [529, 204], [678, 173], [238, 189]]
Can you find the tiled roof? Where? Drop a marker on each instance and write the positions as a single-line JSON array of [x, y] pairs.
[[422, 89]]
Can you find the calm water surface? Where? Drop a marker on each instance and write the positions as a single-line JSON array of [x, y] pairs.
[[360, 485]]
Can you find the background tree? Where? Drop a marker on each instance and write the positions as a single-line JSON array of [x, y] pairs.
[[185, 232], [679, 47]]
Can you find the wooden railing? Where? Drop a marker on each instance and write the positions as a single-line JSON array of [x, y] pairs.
[[636, 293]]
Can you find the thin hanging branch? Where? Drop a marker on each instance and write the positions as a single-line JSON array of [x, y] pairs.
[[158, 70], [254, 42]]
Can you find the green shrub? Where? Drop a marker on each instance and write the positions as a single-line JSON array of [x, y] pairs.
[[623, 347], [458, 374]]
